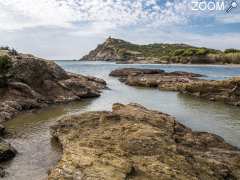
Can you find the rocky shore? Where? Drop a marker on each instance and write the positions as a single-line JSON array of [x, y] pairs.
[[154, 78], [227, 91], [28, 83], [34, 83], [132, 142]]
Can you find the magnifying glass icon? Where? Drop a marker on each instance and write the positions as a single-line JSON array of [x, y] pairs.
[[232, 5]]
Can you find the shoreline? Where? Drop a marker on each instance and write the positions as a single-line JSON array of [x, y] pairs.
[[153, 64]]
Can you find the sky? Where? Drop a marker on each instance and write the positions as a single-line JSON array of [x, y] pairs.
[[69, 29]]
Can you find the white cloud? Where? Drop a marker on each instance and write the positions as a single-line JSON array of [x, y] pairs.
[[229, 19], [19, 14], [61, 29]]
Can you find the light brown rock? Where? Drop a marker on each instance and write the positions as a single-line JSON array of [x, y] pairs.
[[135, 143], [154, 78]]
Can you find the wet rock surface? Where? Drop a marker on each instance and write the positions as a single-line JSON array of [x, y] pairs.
[[132, 142], [35, 83], [154, 78], [227, 91]]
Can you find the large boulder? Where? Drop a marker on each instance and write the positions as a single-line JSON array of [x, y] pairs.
[[132, 142]]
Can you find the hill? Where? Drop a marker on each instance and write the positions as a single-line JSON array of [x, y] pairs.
[[125, 52]]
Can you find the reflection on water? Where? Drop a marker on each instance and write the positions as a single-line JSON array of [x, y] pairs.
[[37, 154]]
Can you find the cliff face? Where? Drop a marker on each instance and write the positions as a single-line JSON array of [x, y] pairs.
[[34, 83], [132, 142], [104, 52], [126, 52]]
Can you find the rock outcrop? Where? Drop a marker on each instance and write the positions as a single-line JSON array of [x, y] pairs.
[[34, 83], [154, 78], [132, 142], [104, 52], [227, 91]]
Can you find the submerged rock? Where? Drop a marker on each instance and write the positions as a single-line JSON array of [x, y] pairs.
[[7, 152], [35, 83], [132, 142], [154, 77]]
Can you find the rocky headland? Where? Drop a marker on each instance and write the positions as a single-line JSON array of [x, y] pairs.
[[154, 78], [132, 142], [124, 52]]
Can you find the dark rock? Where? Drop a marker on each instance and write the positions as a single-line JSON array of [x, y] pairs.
[[134, 71], [2, 130], [35, 83], [3, 173], [7, 152]]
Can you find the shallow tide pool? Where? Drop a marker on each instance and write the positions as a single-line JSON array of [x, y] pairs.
[[38, 153]]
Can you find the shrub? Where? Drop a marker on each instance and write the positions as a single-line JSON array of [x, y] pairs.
[[232, 51], [13, 52], [202, 52], [189, 52], [5, 65], [4, 48], [178, 52]]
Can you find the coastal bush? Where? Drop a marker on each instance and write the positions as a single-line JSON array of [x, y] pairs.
[[202, 52], [13, 52], [178, 52], [4, 48], [189, 52], [5, 65], [231, 51]]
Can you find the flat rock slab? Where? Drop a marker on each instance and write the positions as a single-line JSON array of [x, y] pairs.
[[154, 78], [132, 142]]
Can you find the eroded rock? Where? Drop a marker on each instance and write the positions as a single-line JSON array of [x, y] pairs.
[[132, 142], [35, 83], [227, 91]]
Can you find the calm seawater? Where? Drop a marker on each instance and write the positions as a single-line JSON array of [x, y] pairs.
[[37, 153]]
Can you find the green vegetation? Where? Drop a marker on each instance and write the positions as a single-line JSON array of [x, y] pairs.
[[232, 51], [5, 65], [10, 51], [172, 53]]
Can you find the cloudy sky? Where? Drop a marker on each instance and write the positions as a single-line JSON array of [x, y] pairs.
[[68, 29]]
